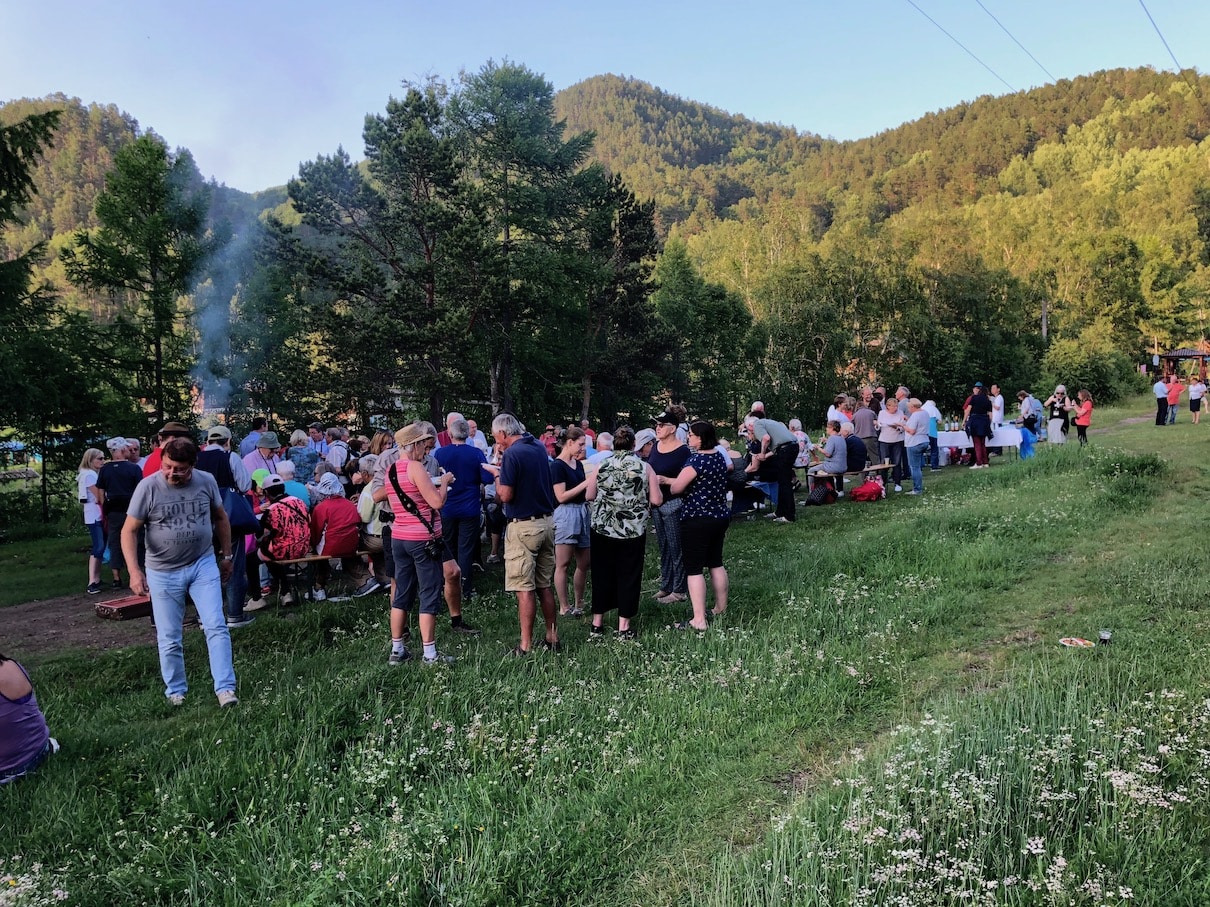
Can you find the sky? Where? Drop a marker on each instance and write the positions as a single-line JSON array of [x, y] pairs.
[[256, 87]]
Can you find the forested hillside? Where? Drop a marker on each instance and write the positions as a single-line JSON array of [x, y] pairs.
[[72, 171], [1056, 232]]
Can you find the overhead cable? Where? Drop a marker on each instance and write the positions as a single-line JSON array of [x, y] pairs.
[[960, 44], [1164, 40], [1015, 41]]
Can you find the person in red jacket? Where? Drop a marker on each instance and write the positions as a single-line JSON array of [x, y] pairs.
[[336, 532]]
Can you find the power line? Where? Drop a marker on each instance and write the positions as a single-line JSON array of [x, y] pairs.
[[1164, 41], [1015, 41], [960, 44]]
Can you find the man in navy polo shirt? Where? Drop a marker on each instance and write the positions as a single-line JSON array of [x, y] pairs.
[[524, 487]]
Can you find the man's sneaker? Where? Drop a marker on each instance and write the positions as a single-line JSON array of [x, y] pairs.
[[780, 519], [176, 698], [226, 698], [406, 636], [287, 598], [899, 488], [465, 629], [242, 621], [369, 587], [440, 660], [398, 658], [117, 584], [318, 595], [493, 558], [94, 588], [255, 604], [266, 590]]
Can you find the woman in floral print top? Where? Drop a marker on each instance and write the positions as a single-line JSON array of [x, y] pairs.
[[621, 489]]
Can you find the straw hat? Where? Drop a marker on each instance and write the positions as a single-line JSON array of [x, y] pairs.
[[410, 434]]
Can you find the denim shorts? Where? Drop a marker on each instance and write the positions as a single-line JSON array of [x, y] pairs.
[[572, 525]]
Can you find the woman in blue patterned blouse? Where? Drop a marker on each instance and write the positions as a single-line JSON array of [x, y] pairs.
[[705, 517]]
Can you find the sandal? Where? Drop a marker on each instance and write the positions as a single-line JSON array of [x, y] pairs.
[[688, 625]]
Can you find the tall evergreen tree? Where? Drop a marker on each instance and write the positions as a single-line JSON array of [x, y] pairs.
[[48, 377], [146, 255], [515, 150]]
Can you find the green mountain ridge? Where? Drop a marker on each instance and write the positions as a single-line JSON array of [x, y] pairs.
[[701, 164]]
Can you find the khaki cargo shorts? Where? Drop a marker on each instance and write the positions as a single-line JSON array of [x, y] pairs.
[[529, 555]]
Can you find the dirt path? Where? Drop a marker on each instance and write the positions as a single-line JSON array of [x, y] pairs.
[[37, 630]]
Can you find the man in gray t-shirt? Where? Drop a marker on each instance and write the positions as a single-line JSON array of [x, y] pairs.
[[184, 516]]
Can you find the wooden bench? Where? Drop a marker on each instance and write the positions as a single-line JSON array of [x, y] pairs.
[[864, 474], [316, 558], [299, 574]]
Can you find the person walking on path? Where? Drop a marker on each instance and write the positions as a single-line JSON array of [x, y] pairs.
[[184, 516]]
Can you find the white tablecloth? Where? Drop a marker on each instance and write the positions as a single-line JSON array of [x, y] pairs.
[[1005, 436]]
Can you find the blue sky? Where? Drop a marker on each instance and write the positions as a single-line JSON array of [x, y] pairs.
[[253, 88]]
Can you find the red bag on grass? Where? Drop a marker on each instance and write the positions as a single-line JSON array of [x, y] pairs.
[[868, 490]]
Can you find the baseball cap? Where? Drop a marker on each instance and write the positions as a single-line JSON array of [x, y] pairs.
[[643, 437], [273, 481], [664, 418], [218, 433], [115, 443]]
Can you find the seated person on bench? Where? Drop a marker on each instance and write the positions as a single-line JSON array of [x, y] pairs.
[[855, 447], [835, 456], [285, 532], [336, 532]]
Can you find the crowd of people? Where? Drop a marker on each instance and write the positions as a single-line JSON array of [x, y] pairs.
[[234, 526]]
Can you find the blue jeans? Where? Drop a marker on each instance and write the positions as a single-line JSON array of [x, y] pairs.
[[237, 586], [96, 539], [667, 521], [201, 581], [915, 457], [1172, 408]]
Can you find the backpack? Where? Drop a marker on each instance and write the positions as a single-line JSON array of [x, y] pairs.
[[868, 491], [821, 494]]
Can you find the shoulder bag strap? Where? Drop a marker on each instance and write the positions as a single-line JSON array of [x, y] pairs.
[[408, 504]]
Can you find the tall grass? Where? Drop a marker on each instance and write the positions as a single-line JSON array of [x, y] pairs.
[[647, 772]]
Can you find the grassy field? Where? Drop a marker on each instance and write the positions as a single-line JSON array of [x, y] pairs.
[[884, 717]]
